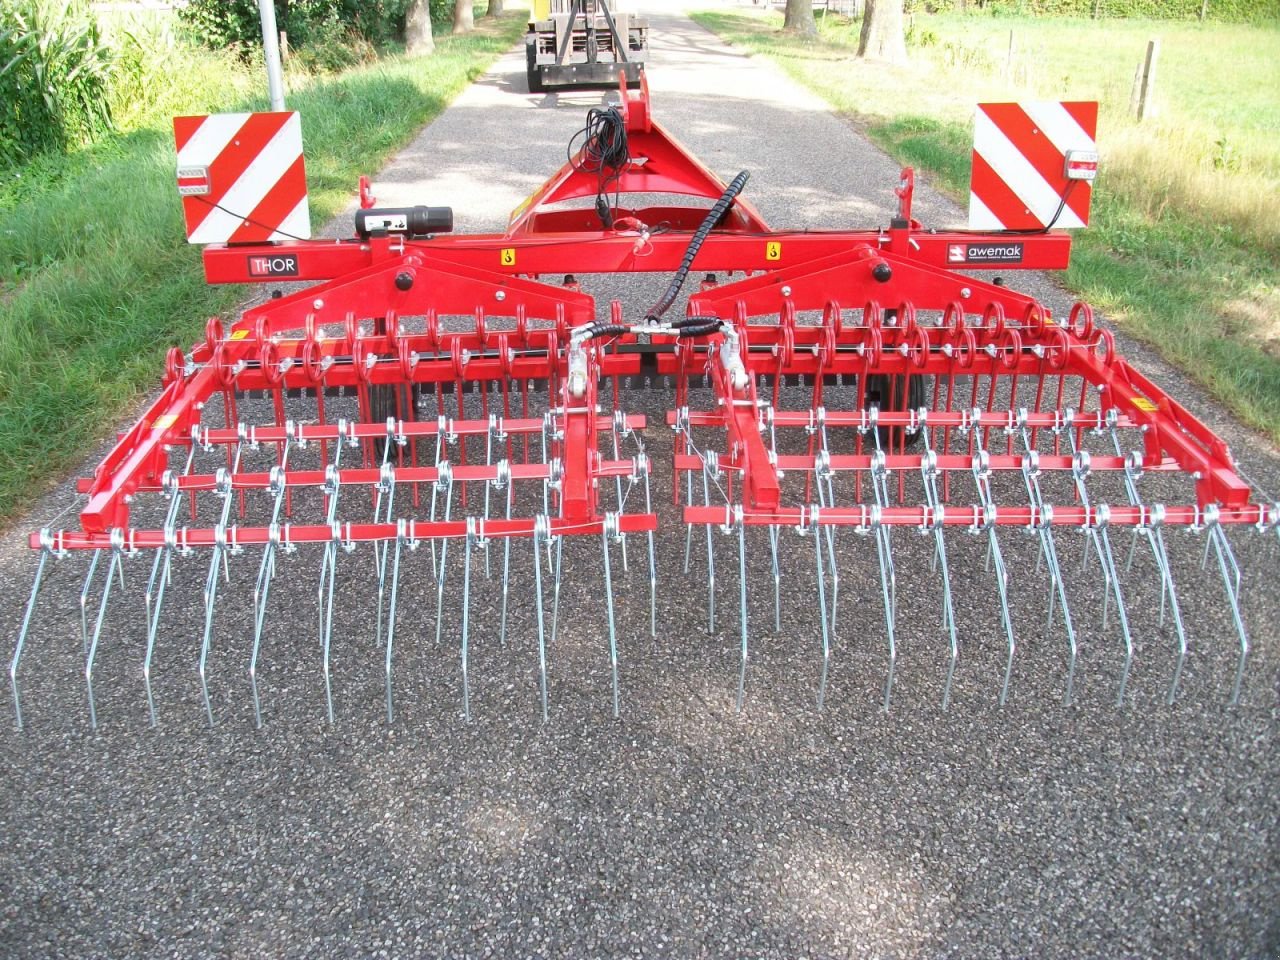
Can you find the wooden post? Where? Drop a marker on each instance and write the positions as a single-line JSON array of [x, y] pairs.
[[1136, 89], [1204, 9], [1008, 61], [284, 45], [1096, 5], [1146, 101]]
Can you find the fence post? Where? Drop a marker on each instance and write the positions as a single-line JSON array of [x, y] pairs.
[[1008, 62], [1146, 101]]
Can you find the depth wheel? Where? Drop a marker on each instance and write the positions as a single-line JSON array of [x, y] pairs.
[[896, 393]]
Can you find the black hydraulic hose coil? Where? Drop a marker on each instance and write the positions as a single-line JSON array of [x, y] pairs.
[[700, 235]]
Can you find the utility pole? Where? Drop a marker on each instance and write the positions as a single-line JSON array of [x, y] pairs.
[[271, 53]]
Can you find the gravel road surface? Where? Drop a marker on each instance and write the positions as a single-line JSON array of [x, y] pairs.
[[684, 829]]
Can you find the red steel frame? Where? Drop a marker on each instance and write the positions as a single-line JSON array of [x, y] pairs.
[[868, 285]]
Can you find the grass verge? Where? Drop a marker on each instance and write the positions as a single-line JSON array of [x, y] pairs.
[[97, 281], [1185, 233]]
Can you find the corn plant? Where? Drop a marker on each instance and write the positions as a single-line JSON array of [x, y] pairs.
[[55, 71]]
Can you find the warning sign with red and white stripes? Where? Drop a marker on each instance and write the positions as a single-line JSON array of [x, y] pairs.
[[1033, 164], [241, 177]]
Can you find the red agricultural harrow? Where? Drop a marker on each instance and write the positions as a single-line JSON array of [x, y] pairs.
[[427, 392]]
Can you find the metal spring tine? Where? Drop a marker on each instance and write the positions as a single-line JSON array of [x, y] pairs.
[[380, 550], [261, 589], [884, 553], [161, 576], [1102, 514], [711, 557], [822, 608], [610, 528], [653, 562], [266, 573], [509, 492], [488, 462], [1230, 571], [617, 481], [830, 531], [1161, 554], [742, 599], [548, 426], [447, 475], [210, 597], [982, 479], [224, 487], [540, 529], [391, 615], [84, 602], [688, 527], [1152, 529], [929, 475], [97, 634], [441, 443], [1049, 551], [326, 638], [555, 603], [22, 635], [777, 579], [468, 546]]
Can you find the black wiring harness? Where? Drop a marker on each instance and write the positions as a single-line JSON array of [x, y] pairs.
[[603, 151]]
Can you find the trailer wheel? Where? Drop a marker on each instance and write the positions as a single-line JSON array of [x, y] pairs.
[[898, 393], [531, 71], [385, 400]]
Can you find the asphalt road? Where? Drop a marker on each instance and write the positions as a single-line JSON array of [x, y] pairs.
[[682, 829]]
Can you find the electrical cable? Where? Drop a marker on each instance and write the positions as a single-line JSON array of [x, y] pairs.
[[603, 152]]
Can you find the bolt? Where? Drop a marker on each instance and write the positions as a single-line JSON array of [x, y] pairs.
[[404, 281], [965, 292], [882, 272], [786, 290], [317, 304], [500, 295]]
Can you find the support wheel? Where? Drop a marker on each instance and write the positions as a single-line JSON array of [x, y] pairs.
[[898, 393]]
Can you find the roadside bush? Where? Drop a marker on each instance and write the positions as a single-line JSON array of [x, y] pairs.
[[1231, 11], [221, 23], [54, 78]]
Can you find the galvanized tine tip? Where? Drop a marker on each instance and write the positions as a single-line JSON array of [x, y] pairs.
[[736, 521], [610, 529], [541, 531], [46, 550]]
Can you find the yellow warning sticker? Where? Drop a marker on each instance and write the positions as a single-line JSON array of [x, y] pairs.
[[1142, 403], [239, 334], [165, 422], [773, 250], [508, 257]]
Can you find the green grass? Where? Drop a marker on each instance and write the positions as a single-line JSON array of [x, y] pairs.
[[1184, 240], [96, 279]]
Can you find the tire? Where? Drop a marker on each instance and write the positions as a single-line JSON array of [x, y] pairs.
[[898, 394], [383, 404], [532, 74]]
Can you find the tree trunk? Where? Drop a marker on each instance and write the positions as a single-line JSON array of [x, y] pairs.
[[495, 9], [883, 35], [464, 17], [799, 18], [418, 40]]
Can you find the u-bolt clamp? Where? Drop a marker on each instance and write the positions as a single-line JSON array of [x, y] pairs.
[[612, 528], [502, 474], [444, 475]]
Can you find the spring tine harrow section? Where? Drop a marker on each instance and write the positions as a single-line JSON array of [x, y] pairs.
[[430, 415], [941, 413]]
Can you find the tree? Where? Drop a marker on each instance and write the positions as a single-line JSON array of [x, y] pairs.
[[418, 40], [883, 36], [495, 9], [464, 17], [799, 18]]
